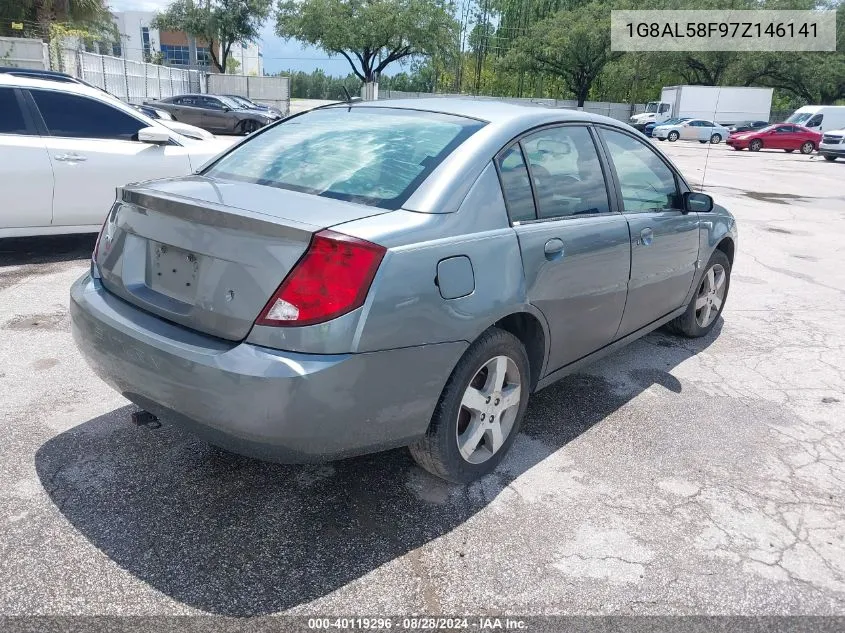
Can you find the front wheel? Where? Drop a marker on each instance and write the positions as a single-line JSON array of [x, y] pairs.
[[716, 139], [789, 151], [479, 412], [756, 145], [807, 147], [708, 301], [248, 127], [673, 136]]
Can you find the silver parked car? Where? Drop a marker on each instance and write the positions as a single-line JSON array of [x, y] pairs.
[[692, 130], [214, 113], [360, 277]]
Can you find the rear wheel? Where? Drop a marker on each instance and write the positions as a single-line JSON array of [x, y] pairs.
[[789, 151], [702, 142], [830, 158], [708, 301], [755, 145], [807, 147], [716, 139], [479, 412], [673, 136]]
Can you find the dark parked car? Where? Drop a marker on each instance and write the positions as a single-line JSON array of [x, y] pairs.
[[214, 113], [396, 273], [749, 126], [251, 105], [785, 136]]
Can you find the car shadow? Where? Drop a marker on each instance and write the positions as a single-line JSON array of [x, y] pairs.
[[233, 536], [17, 251]]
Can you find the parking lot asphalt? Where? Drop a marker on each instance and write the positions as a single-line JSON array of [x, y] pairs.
[[676, 476]]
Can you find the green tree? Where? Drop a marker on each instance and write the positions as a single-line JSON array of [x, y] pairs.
[[370, 34], [223, 22], [573, 46]]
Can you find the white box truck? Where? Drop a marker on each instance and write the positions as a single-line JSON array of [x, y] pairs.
[[722, 104]]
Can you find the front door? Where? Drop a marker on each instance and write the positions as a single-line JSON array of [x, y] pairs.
[[93, 149], [664, 237], [575, 247], [215, 117]]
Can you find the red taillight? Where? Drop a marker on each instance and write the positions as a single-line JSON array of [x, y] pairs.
[[332, 278]]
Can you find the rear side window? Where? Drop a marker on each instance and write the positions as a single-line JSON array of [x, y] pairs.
[[374, 156], [567, 175], [12, 121], [74, 116], [516, 186]]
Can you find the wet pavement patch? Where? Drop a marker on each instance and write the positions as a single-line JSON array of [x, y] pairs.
[[776, 198], [55, 321]]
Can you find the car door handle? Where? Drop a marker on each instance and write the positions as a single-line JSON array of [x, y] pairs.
[[646, 237], [553, 249], [70, 158]]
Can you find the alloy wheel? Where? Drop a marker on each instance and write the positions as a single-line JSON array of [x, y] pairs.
[[710, 296], [488, 409], [807, 148]]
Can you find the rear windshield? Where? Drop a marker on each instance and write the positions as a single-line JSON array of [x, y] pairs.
[[374, 156]]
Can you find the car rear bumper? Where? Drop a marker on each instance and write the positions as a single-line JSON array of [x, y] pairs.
[[254, 400]]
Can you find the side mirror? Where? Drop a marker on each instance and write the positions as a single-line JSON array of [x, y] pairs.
[[697, 202], [154, 135], [227, 109]]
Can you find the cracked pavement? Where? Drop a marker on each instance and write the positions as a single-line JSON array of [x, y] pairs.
[[673, 477]]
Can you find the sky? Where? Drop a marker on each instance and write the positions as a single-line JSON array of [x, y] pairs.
[[278, 54]]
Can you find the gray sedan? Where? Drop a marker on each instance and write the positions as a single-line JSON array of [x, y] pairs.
[[216, 114], [361, 277], [700, 130]]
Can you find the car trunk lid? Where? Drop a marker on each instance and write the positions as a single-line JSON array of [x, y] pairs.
[[208, 254]]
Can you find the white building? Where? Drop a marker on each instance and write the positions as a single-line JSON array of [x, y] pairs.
[[139, 41]]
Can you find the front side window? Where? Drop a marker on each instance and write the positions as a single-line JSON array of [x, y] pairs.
[[74, 116], [516, 186], [370, 155], [664, 107], [646, 182], [213, 104], [12, 121], [816, 121], [567, 175]]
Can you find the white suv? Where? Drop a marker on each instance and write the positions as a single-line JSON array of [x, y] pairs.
[[833, 144], [64, 147]]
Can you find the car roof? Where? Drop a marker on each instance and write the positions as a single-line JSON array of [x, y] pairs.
[[489, 110]]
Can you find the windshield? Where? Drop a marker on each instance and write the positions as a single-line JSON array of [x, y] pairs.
[[651, 106], [240, 101], [375, 156], [230, 102], [799, 118]]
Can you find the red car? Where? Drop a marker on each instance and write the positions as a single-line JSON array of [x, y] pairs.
[[785, 136]]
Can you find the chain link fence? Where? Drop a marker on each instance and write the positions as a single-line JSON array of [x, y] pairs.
[[131, 81]]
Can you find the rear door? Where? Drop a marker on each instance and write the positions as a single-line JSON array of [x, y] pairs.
[[92, 147], [187, 110], [664, 237], [575, 246], [26, 176]]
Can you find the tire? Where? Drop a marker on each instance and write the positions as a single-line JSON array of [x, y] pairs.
[[702, 142], [830, 158], [716, 139], [438, 450], [807, 147], [739, 149], [248, 127], [673, 136], [659, 139], [755, 145], [789, 151], [691, 322]]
